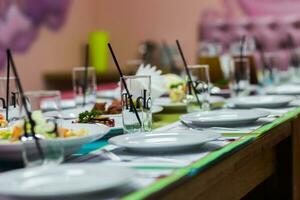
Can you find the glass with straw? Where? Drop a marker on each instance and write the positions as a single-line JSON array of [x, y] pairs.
[[84, 85], [210, 54], [270, 74], [239, 77], [198, 86], [13, 101], [245, 49], [139, 88], [49, 148]]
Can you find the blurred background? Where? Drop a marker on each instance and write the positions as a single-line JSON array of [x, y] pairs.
[[48, 37]]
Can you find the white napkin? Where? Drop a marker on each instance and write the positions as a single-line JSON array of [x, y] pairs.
[[158, 83]]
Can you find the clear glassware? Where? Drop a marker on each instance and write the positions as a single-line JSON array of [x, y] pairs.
[[210, 54], [239, 80], [81, 87], [270, 69], [139, 88], [201, 82], [41, 151], [43, 147], [247, 50], [13, 101]]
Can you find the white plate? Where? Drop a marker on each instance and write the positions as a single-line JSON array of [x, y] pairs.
[[162, 142], [110, 94], [13, 151], [166, 102], [284, 90], [67, 103], [223, 117], [213, 99], [63, 180], [69, 113], [156, 109], [265, 101]]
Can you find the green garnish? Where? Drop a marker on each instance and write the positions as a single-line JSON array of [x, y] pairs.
[[175, 85], [87, 116]]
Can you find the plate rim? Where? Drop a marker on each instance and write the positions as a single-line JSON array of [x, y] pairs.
[[19, 172], [148, 148], [263, 114]]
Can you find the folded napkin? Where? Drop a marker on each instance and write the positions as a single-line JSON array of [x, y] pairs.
[[158, 83]]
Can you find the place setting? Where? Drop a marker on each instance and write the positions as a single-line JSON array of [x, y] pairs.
[[140, 137]]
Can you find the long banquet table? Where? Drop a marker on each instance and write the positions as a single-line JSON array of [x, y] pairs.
[[264, 163], [267, 160], [260, 164]]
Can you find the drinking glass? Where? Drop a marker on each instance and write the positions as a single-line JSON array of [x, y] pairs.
[[239, 76], [246, 51], [198, 86], [139, 88], [84, 85], [270, 69], [41, 151], [43, 147], [210, 54], [44, 101], [13, 98]]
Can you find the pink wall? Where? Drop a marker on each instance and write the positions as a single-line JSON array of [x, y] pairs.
[[54, 51], [137, 20], [128, 23]]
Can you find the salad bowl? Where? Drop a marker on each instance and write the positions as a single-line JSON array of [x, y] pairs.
[[12, 151]]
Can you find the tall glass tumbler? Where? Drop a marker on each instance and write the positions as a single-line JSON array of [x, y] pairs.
[[200, 87], [270, 69], [46, 148], [239, 76], [13, 101], [139, 88], [84, 85]]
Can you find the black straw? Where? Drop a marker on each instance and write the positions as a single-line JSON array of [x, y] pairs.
[[86, 66], [23, 98], [260, 48], [7, 86], [295, 61], [243, 39], [124, 83], [188, 72]]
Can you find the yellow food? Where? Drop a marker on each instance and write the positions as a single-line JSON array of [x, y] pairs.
[[3, 122], [177, 94], [66, 133]]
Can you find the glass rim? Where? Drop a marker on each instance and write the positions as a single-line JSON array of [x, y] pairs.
[[196, 66], [136, 76], [82, 68], [42, 93], [243, 59], [5, 78]]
